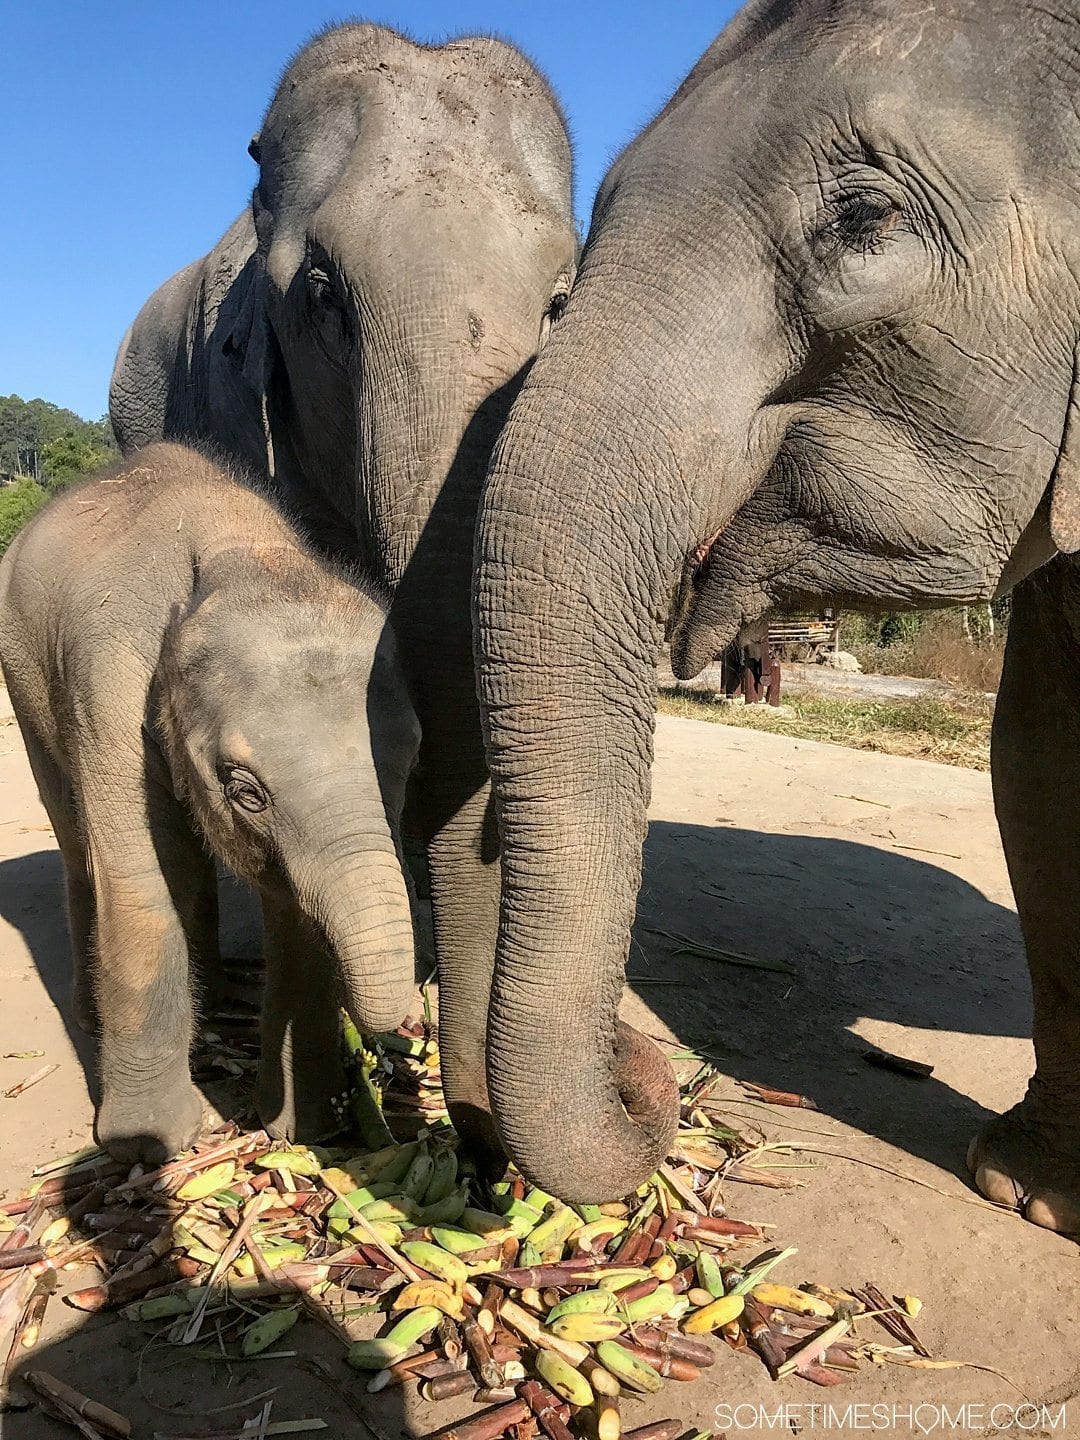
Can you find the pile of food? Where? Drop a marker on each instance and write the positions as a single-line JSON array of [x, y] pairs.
[[548, 1316]]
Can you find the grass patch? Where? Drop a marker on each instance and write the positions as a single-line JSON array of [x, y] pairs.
[[932, 729]]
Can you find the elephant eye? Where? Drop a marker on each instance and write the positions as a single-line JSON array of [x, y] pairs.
[[329, 312], [242, 790], [321, 287], [858, 224], [556, 306]]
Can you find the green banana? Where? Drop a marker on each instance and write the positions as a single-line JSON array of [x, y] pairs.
[[461, 1242], [551, 1235], [436, 1261], [708, 1274], [521, 1218], [589, 1213], [445, 1211], [482, 1222], [397, 1208], [588, 1329], [650, 1307], [635, 1373], [539, 1199], [161, 1307], [267, 1329], [396, 1343], [585, 1302], [418, 1176], [561, 1377], [293, 1162], [444, 1169], [366, 1195]]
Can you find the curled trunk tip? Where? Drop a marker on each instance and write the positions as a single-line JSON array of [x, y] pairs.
[[592, 1156]]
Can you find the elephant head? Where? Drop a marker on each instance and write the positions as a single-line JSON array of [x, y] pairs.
[[412, 233], [833, 282], [288, 729]]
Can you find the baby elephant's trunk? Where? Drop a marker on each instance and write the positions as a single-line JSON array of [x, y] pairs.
[[354, 890]]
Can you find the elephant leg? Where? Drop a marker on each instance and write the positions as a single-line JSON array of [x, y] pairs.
[[149, 876], [59, 802], [462, 848], [1030, 1156], [301, 1086], [208, 970]]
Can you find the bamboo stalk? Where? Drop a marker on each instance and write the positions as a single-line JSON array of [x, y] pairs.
[[546, 1408], [479, 1348], [250, 1146], [28, 1255], [133, 1287], [658, 1430], [488, 1425], [402, 1370], [680, 1347], [66, 1396]]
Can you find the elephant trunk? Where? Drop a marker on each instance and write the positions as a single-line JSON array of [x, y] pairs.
[[353, 889], [580, 540]]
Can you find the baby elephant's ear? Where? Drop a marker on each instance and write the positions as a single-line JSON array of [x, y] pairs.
[[1065, 484]]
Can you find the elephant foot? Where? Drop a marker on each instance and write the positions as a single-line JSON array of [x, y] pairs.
[[1029, 1160], [302, 1104], [150, 1127]]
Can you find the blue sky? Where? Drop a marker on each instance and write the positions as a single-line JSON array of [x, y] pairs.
[[126, 122]]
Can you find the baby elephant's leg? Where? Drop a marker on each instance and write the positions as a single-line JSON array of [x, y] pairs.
[[301, 1083], [55, 790], [149, 882]]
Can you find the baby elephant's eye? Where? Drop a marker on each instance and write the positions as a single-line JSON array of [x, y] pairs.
[[243, 790]]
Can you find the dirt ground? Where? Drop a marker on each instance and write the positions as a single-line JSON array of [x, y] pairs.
[[881, 879]]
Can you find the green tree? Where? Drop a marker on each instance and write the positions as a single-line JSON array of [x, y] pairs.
[[70, 456], [17, 503], [27, 427]]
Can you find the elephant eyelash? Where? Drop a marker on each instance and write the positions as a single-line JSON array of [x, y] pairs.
[[560, 298], [321, 286], [859, 223], [242, 789]]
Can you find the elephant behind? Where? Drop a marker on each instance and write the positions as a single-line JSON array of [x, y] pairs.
[[831, 289], [357, 336]]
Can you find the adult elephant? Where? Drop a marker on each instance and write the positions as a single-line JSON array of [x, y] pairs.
[[838, 272], [357, 337]]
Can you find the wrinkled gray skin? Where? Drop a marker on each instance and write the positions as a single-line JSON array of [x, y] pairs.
[[358, 337], [838, 274], [184, 671]]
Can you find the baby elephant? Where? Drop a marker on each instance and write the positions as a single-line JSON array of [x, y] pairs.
[[186, 674]]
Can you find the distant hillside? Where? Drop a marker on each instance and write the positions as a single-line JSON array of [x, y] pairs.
[[42, 448], [49, 444]]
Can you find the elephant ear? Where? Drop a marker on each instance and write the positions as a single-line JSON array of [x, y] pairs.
[[244, 352], [1065, 482]]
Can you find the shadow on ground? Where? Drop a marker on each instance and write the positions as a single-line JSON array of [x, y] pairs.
[[873, 935], [31, 900]]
